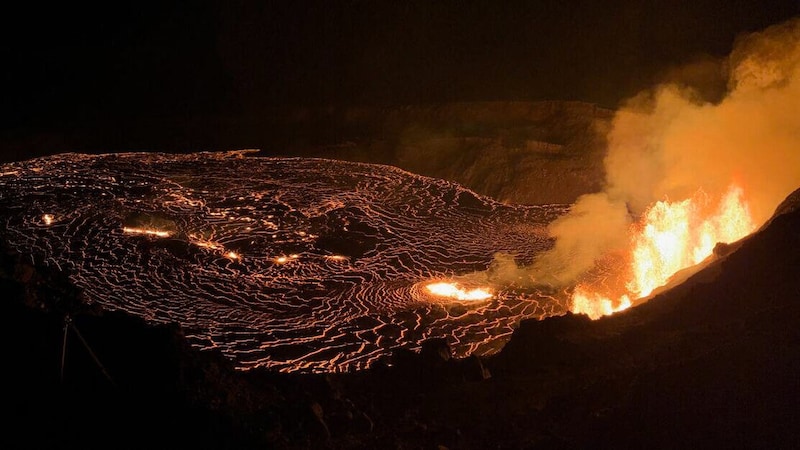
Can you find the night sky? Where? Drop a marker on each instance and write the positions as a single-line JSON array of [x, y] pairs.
[[70, 64]]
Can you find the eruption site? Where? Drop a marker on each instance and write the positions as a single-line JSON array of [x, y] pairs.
[[455, 291], [289, 264], [683, 174]]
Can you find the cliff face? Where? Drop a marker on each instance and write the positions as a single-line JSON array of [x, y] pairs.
[[516, 152]]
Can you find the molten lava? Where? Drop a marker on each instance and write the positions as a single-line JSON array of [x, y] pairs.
[[671, 236], [287, 264], [456, 292], [596, 305], [146, 231]]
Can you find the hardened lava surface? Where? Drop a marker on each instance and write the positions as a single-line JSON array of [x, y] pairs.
[[289, 264]]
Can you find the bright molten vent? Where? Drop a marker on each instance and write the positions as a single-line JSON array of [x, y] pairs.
[[455, 291], [671, 236], [685, 169]]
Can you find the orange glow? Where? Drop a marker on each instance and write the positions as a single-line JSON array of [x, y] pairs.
[[596, 305], [456, 292], [671, 236], [284, 259], [48, 219], [146, 231], [194, 239], [211, 245]]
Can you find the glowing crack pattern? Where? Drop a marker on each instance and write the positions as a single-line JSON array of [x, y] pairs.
[[289, 264]]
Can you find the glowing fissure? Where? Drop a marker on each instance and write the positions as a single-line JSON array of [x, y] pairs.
[[670, 237], [596, 305], [146, 231], [456, 292]]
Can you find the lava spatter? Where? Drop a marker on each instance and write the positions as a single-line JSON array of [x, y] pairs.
[[288, 264]]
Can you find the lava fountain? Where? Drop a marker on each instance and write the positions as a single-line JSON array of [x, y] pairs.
[[684, 173], [670, 237]]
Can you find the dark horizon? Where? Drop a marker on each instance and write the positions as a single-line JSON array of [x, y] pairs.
[[71, 65]]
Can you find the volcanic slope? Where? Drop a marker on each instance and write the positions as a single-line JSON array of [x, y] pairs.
[[290, 264]]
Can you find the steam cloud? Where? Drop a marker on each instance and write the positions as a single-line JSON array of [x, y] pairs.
[[669, 142]]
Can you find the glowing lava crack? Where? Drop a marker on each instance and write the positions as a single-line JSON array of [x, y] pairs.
[[289, 264], [456, 292]]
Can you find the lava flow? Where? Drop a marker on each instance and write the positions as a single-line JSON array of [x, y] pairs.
[[288, 264], [670, 237]]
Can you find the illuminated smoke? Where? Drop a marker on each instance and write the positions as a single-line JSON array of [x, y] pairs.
[[668, 143]]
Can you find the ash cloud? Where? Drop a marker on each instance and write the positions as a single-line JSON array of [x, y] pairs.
[[670, 141]]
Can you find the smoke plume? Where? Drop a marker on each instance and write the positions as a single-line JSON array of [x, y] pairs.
[[667, 143]]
